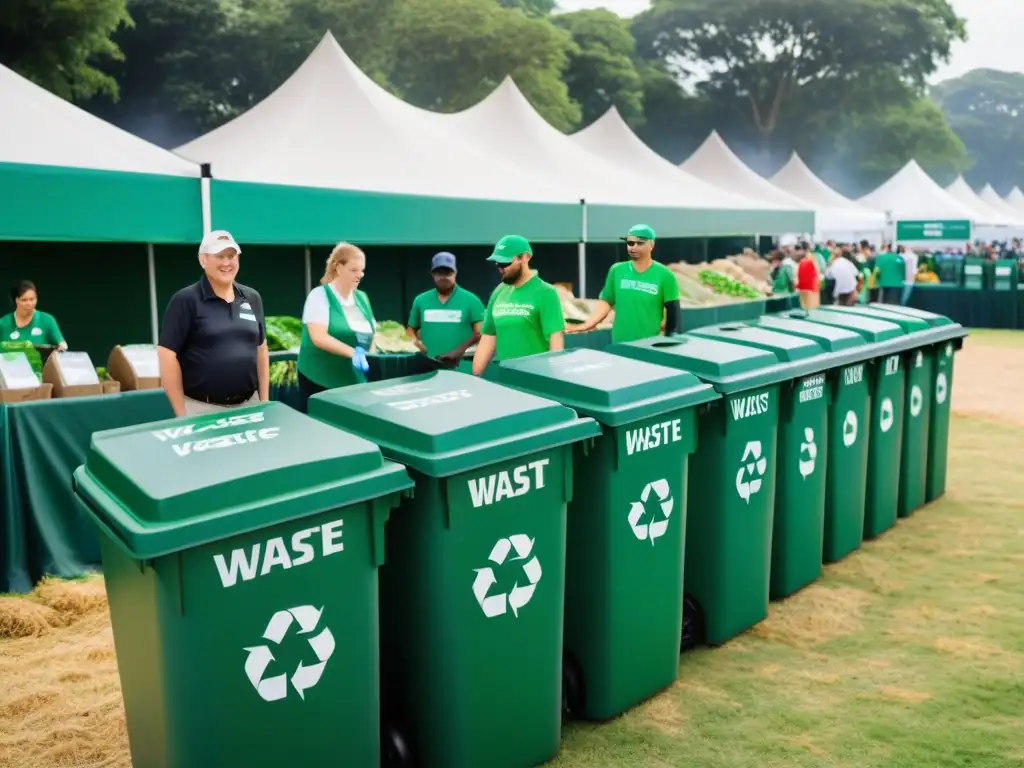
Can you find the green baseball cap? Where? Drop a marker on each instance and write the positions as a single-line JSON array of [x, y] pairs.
[[510, 246], [642, 231]]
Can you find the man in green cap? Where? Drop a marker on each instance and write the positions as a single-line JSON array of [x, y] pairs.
[[643, 292], [524, 315]]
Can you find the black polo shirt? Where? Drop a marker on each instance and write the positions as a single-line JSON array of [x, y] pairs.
[[215, 341]]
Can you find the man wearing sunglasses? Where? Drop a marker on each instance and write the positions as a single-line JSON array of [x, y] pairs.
[[643, 292], [524, 315]]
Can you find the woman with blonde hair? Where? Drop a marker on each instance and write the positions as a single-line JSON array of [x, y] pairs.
[[337, 326]]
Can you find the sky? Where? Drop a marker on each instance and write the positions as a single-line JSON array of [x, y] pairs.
[[993, 28]]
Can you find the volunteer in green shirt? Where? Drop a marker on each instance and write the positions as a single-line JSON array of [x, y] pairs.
[[337, 327], [445, 321], [891, 272], [643, 292], [524, 314], [26, 323]]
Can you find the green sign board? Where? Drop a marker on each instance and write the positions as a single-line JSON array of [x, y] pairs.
[[933, 230]]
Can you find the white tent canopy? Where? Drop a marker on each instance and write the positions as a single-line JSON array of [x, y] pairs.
[[996, 203], [612, 139], [716, 164], [837, 215], [983, 214], [40, 128], [912, 195], [1016, 200], [327, 127]]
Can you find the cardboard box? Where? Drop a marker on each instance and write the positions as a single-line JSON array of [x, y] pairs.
[[72, 374], [111, 387], [18, 382], [135, 366], [42, 392]]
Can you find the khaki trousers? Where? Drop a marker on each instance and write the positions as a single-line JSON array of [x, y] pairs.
[[197, 407]]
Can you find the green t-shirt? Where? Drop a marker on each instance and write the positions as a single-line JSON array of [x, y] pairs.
[[523, 319], [443, 326], [42, 330], [639, 299], [892, 271]]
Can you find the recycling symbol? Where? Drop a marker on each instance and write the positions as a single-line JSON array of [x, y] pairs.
[[496, 605], [941, 388], [919, 360], [752, 463], [887, 415], [916, 401], [656, 528], [808, 454], [949, 350], [850, 429], [304, 677]]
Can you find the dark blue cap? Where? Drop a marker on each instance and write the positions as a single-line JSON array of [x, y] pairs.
[[443, 260]]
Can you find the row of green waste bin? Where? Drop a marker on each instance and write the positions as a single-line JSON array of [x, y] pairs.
[[434, 570]]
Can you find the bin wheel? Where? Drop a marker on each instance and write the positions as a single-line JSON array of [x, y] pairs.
[[693, 624], [394, 749], [574, 689]]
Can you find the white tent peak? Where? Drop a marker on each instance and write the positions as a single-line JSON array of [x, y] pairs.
[[48, 130], [796, 178], [984, 214], [911, 194], [717, 164], [992, 199]]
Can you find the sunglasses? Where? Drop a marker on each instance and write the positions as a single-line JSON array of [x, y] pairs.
[[503, 267], [634, 243]]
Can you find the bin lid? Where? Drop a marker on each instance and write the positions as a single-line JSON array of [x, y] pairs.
[[174, 484], [787, 349], [611, 389], [906, 322], [831, 338], [729, 367], [943, 328], [446, 422], [870, 329]]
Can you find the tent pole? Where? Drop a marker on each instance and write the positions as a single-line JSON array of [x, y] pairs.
[[154, 315], [581, 250], [204, 193], [309, 270]]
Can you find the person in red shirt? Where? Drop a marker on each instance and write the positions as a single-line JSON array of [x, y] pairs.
[[807, 279]]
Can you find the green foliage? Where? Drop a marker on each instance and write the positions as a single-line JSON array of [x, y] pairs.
[[725, 285], [450, 54], [283, 333], [986, 109], [602, 70], [530, 7], [57, 44]]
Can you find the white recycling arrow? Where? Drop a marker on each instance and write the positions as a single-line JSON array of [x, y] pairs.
[[887, 415], [637, 510], [745, 487], [305, 676], [519, 595], [941, 388], [916, 401], [806, 466], [850, 429]]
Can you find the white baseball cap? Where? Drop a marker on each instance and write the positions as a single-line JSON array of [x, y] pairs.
[[216, 241]]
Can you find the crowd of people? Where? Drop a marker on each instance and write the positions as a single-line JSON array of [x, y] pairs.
[[844, 274]]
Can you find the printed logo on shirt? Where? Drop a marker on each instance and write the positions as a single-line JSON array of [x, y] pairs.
[[442, 316], [247, 316], [15, 335], [37, 331], [638, 285], [508, 309], [246, 305]]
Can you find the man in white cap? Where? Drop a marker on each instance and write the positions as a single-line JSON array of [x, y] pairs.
[[213, 341]]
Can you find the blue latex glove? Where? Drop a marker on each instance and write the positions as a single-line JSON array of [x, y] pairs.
[[359, 361]]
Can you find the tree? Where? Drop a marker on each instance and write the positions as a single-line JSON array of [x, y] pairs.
[[450, 54], [530, 7], [602, 70], [985, 108], [57, 45], [772, 55]]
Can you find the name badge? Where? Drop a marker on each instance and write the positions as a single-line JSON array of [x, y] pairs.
[[247, 316]]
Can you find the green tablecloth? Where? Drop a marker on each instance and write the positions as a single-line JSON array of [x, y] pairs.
[[971, 308], [41, 443]]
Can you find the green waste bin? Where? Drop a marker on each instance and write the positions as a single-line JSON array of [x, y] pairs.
[[472, 595], [240, 553], [885, 436], [950, 339], [820, 430], [729, 525], [626, 523], [920, 368]]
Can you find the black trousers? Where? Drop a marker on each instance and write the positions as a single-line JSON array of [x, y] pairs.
[[307, 388]]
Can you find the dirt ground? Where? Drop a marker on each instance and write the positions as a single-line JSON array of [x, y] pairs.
[[60, 701]]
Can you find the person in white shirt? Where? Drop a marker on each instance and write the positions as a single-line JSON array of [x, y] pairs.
[[910, 259], [844, 272]]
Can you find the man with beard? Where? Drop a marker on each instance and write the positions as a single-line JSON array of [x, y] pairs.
[[643, 292], [524, 315], [446, 321]]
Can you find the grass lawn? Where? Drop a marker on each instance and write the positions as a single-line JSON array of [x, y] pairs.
[[908, 653], [986, 337]]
